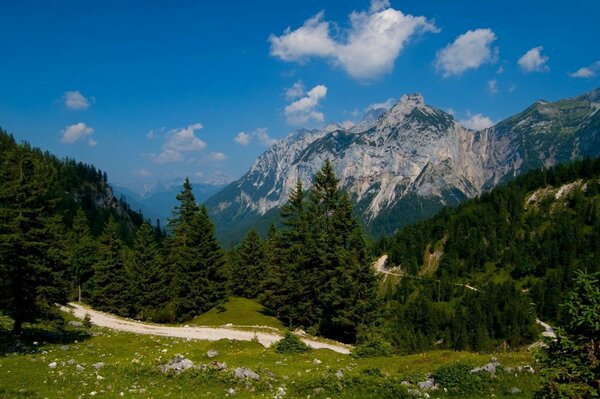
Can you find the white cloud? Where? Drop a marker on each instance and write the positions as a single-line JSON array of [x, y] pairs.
[[387, 104], [366, 50], [534, 61], [492, 86], [75, 100], [296, 91], [92, 142], [179, 141], [263, 136], [217, 156], [76, 132], [587, 72], [476, 122], [468, 51], [142, 173], [242, 138], [304, 110], [347, 125]]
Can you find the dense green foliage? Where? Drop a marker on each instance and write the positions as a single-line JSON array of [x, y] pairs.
[[326, 283], [520, 243], [291, 344], [570, 364], [194, 259], [31, 246]]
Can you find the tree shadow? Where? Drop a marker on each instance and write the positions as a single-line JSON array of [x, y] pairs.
[[35, 337]]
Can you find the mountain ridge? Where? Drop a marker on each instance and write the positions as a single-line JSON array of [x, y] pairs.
[[412, 155]]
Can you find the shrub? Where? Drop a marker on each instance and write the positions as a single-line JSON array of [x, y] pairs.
[[291, 344], [87, 321], [457, 378], [372, 344]]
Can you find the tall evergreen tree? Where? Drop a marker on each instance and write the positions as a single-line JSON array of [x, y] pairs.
[[187, 208], [195, 258], [248, 275], [330, 286], [147, 276], [83, 250], [32, 253], [110, 288]]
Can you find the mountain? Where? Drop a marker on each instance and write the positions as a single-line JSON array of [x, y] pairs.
[[158, 200], [408, 162]]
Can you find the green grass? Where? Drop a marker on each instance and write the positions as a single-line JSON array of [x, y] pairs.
[[239, 312], [132, 368]]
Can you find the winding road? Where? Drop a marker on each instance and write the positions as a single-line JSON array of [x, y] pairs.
[[107, 320]]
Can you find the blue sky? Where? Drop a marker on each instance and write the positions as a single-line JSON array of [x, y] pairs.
[[157, 90]]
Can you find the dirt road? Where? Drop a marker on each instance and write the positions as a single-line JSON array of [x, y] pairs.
[[106, 320]]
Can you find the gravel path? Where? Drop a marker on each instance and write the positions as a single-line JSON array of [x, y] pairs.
[[102, 319]]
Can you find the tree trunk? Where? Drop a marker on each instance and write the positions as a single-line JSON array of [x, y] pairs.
[[79, 289], [18, 327]]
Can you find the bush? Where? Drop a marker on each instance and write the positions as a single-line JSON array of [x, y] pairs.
[[457, 378], [87, 321], [372, 344], [290, 344]]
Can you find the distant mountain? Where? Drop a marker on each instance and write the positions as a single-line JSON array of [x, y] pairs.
[[404, 164], [158, 200]]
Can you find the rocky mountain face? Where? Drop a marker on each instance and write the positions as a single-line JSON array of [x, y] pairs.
[[404, 164]]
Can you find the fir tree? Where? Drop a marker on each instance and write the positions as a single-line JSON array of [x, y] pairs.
[[148, 278], [570, 364], [249, 273], [195, 258], [31, 249], [110, 290], [187, 208], [83, 250]]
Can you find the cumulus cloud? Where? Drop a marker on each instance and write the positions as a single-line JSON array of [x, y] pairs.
[[242, 138], [296, 91], [179, 141], [534, 61], [468, 51], [217, 156], [366, 50], [76, 132], [260, 134], [142, 173], [587, 72], [75, 100], [476, 122], [304, 110], [492, 86], [263, 136], [387, 104]]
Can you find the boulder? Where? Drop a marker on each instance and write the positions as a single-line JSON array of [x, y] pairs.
[[212, 353], [177, 365], [244, 373]]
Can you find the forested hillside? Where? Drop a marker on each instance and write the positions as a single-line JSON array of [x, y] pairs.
[[519, 244], [51, 210]]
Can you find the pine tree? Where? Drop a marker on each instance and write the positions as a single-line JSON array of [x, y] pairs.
[[195, 258], [570, 364], [148, 278], [187, 208], [110, 290], [249, 273], [274, 293], [83, 250], [329, 285], [32, 253]]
